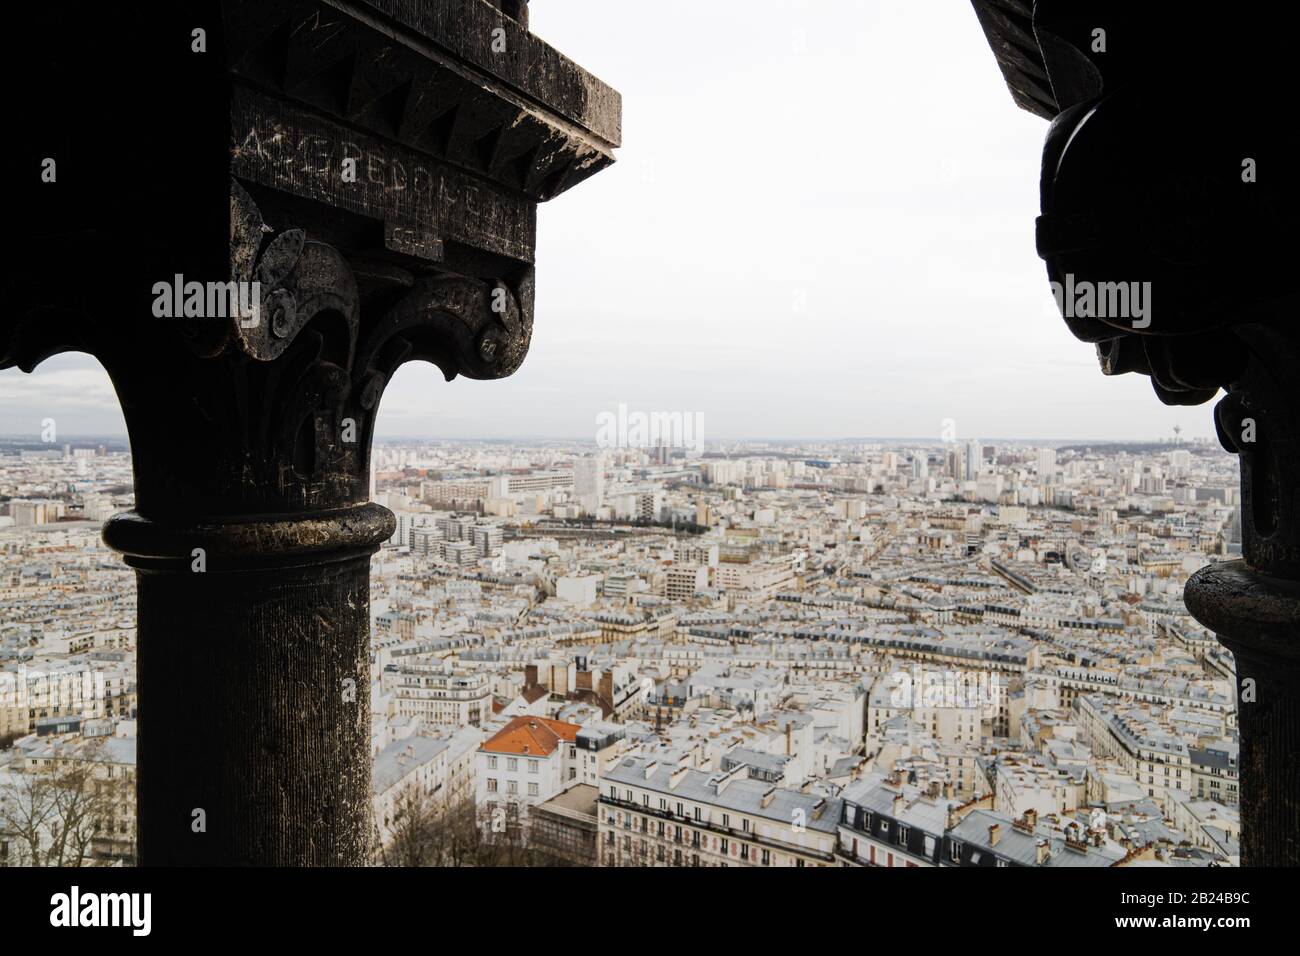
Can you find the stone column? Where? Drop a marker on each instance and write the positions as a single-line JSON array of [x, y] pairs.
[[373, 170], [1253, 604], [1167, 168]]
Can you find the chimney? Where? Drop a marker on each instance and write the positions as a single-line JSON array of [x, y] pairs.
[[899, 802], [768, 795], [675, 777], [787, 738], [995, 834], [1031, 818], [1042, 852], [819, 808], [650, 768]]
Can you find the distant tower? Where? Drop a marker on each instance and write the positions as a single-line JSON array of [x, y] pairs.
[[1178, 431], [974, 459]]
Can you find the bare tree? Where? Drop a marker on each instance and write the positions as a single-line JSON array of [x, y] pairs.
[[57, 813], [27, 814], [427, 831]]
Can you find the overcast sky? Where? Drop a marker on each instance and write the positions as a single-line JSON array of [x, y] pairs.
[[821, 224]]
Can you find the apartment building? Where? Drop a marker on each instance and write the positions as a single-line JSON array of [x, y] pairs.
[[437, 697], [1155, 756], [685, 581], [524, 764], [406, 773], [669, 814]]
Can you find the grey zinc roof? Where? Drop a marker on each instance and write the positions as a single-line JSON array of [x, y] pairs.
[[389, 766], [1021, 848], [741, 795], [876, 795]]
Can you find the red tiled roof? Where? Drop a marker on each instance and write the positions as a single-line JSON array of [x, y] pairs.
[[534, 736]]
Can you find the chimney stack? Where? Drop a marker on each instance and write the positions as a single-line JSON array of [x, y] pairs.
[[1042, 852], [995, 834]]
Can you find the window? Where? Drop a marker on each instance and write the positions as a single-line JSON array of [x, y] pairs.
[[512, 786], [492, 763], [954, 852], [492, 785], [697, 814], [724, 847], [726, 820], [512, 763], [532, 789], [744, 825], [532, 766], [902, 834], [765, 857]]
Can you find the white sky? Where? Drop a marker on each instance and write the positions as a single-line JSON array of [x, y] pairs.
[[861, 157]]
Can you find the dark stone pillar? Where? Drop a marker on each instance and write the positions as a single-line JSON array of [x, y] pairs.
[[1167, 166], [1253, 605], [374, 167], [256, 711], [1258, 618]]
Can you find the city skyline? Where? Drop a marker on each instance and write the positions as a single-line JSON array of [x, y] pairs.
[[897, 656]]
